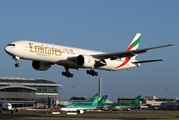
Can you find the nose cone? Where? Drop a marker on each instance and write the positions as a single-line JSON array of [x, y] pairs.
[[9, 107], [8, 50], [5, 48]]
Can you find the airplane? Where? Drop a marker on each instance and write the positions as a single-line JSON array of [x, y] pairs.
[[43, 55], [122, 106], [82, 107], [6, 106]]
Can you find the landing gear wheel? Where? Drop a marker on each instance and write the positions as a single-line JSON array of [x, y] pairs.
[[17, 65], [92, 72], [96, 73], [71, 75], [63, 73], [67, 74], [12, 111], [88, 71]]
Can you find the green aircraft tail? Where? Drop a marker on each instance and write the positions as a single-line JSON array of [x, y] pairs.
[[95, 102], [136, 101], [102, 100], [94, 97]]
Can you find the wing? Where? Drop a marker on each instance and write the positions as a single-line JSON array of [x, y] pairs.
[[131, 53], [100, 58]]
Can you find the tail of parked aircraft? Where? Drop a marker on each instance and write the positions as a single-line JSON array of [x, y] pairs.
[[136, 101], [95, 102], [94, 97], [102, 100]]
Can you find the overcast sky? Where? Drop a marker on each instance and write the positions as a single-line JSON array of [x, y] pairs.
[[102, 25]]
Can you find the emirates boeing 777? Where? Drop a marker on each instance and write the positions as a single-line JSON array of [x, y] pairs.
[[44, 55]]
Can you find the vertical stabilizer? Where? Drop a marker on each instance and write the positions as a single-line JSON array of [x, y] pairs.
[[94, 97], [102, 100], [95, 102], [136, 101], [134, 44]]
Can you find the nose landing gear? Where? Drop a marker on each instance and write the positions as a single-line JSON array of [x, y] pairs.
[[16, 58], [17, 65]]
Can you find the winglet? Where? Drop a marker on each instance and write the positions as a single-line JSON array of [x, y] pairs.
[[171, 44], [146, 61]]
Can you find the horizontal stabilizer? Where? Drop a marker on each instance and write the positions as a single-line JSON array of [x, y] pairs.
[[146, 61]]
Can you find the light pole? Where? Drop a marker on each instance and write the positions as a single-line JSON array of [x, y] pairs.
[[60, 96], [166, 94]]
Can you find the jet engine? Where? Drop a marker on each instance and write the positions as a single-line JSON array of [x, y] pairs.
[[40, 65], [80, 111], [85, 61], [17, 110]]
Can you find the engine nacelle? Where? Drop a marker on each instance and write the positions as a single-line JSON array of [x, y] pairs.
[[127, 109], [17, 110], [80, 111], [85, 61], [40, 65]]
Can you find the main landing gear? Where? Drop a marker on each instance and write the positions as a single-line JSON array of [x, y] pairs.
[[92, 72], [17, 65], [67, 73], [16, 58]]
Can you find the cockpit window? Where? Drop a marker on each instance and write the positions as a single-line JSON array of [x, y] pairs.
[[11, 45]]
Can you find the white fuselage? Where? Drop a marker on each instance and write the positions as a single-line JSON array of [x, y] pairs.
[[57, 54], [76, 109]]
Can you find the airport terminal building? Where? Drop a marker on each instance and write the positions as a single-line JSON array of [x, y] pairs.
[[23, 92]]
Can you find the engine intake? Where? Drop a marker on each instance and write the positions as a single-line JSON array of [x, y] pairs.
[[85, 61], [40, 65], [80, 111]]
